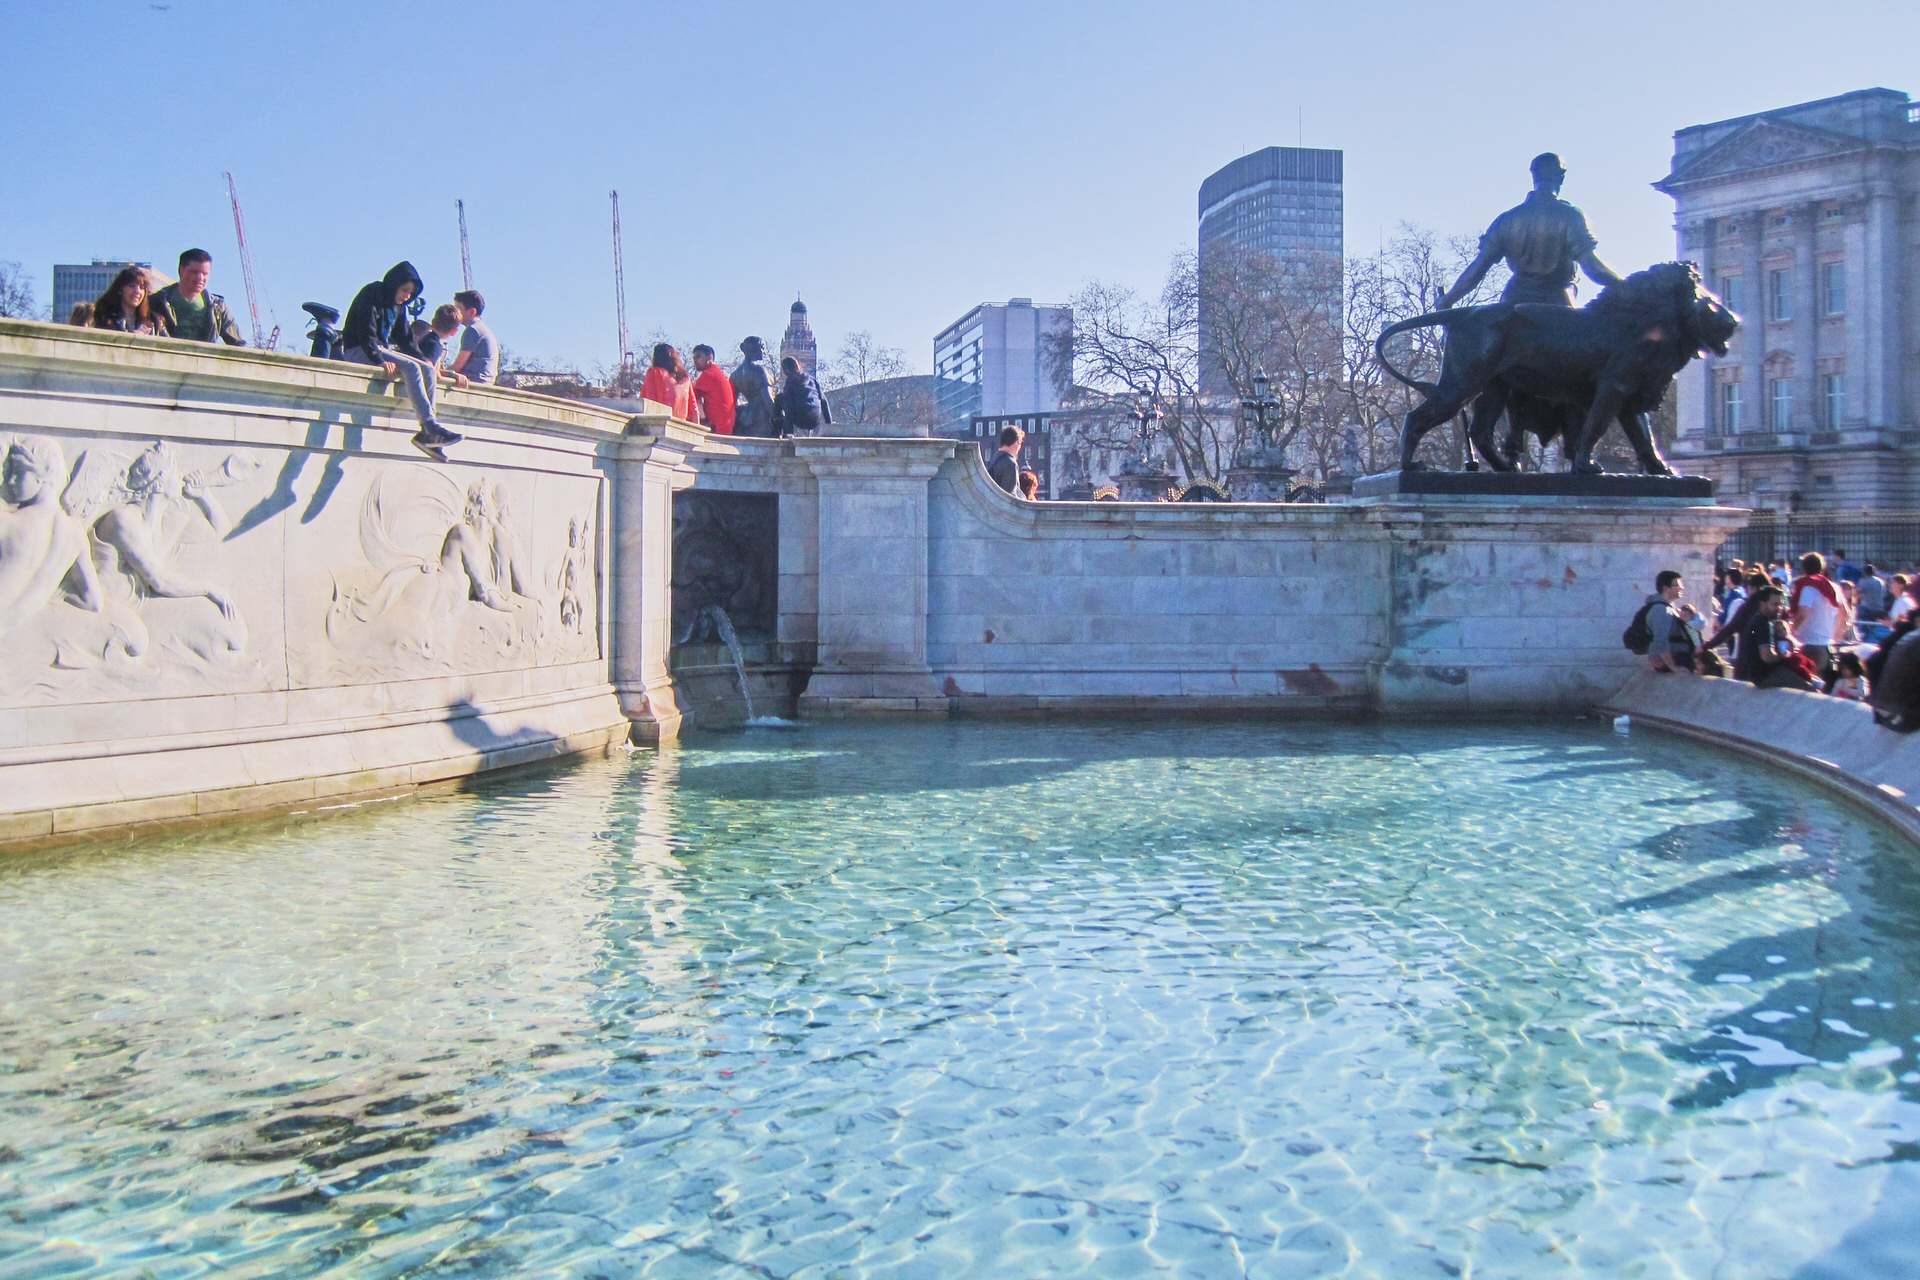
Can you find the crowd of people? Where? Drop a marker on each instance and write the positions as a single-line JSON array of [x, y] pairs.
[[1833, 627], [381, 329]]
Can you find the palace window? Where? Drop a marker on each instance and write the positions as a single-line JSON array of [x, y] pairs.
[[1730, 291], [1779, 295], [1833, 288], [1730, 408], [1833, 393], [1780, 404]]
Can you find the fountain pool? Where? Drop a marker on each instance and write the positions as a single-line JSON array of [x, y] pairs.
[[997, 1000]]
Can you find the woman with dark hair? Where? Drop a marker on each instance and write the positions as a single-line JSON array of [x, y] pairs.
[[124, 305], [1730, 631], [668, 383]]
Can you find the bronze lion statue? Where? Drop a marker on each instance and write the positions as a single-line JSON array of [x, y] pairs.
[[1566, 372]]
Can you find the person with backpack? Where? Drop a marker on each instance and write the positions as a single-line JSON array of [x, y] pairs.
[[801, 407], [1661, 629]]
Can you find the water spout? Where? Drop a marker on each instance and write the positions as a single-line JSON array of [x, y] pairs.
[[724, 625]]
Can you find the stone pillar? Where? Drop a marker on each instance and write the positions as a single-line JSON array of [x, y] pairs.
[[1753, 335], [649, 464], [872, 612], [1878, 313], [1806, 318], [1516, 604]]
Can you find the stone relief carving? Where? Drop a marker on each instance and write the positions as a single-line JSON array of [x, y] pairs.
[[93, 591], [447, 584]]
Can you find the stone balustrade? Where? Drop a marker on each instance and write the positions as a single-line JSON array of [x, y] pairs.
[[227, 583]]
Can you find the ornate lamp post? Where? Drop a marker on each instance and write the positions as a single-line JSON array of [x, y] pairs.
[[1260, 472], [1262, 407], [1140, 478]]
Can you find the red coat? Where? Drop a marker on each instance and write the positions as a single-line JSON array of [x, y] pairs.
[[662, 388], [714, 390]]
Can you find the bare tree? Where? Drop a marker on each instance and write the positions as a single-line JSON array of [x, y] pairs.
[[861, 377], [1130, 350], [16, 293]]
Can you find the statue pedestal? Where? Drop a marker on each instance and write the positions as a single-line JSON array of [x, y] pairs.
[[1145, 486], [1529, 484], [1254, 483]]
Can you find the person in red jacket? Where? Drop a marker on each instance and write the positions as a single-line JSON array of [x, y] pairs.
[[713, 390], [667, 383]]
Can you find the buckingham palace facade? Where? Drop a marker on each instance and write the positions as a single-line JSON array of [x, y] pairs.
[[1804, 219]]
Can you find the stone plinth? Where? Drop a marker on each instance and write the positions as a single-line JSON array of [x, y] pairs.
[[1259, 484], [1145, 486], [1530, 484], [1517, 603]]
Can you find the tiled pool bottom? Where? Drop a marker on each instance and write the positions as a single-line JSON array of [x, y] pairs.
[[986, 1000]]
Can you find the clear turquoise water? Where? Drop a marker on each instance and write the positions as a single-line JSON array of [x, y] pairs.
[[986, 1000]]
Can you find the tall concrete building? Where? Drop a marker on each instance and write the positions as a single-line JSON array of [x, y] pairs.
[[1287, 202], [76, 282], [1804, 219], [798, 341], [1001, 359]]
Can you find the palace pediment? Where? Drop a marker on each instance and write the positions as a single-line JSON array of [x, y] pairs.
[[1763, 144]]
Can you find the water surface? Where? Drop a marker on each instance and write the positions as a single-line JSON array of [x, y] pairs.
[[986, 1000]]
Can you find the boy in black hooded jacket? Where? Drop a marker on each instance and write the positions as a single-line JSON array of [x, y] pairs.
[[377, 332]]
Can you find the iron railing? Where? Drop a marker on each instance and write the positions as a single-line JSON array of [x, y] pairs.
[[1889, 540]]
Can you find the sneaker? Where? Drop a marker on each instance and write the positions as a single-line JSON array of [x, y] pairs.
[[429, 447], [439, 434]]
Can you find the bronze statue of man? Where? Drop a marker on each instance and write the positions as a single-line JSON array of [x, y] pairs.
[[1542, 240], [753, 390]]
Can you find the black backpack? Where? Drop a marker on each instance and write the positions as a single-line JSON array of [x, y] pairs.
[[1638, 637]]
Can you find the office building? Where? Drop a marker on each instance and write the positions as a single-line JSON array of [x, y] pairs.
[[1803, 219], [1002, 359], [1284, 202], [77, 283]]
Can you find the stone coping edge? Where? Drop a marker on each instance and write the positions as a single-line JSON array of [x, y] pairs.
[[26, 830], [1723, 714]]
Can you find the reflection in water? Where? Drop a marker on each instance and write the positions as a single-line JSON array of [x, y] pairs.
[[985, 1000]]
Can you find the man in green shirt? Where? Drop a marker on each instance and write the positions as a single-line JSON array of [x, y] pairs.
[[187, 310]]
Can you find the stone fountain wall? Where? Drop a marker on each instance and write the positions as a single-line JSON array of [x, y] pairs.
[[227, 582], [921, 588]]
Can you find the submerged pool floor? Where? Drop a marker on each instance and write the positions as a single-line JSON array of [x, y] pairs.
[[986, 1000]]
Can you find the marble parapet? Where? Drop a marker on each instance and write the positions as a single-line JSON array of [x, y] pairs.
[[227, 582]]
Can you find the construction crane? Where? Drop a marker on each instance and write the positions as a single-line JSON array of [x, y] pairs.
[[466, 259], [620, 302], [265, 341]]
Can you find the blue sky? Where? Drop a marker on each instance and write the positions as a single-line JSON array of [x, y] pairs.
[[893, 163]]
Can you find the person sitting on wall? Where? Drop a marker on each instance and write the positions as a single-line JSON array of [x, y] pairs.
[[377, 332], [1731, 630], [1004, 466], [187, 309], [1673, 645], [126, 306], [713, 392], [801, 407], [1895, 680], [479, 358], [667, 382], [1768, 657]]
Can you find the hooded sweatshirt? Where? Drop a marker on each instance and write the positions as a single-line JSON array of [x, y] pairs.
[[376, 320]]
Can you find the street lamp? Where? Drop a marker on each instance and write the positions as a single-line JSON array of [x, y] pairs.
[[1263, 408]]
